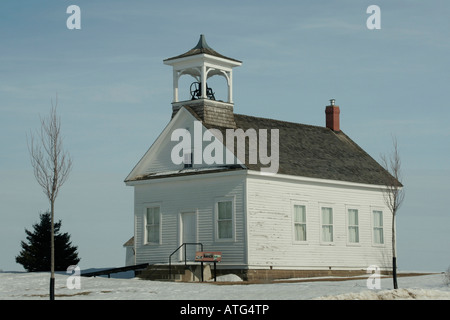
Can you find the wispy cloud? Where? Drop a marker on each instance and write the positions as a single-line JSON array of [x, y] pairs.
[[336, 25], [120, 93]]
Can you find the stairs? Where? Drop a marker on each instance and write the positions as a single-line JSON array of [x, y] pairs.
[[179, 272]]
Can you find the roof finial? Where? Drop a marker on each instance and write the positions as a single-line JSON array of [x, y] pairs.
[[202, 43]]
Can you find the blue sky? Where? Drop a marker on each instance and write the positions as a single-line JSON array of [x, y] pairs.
[[114, 95]]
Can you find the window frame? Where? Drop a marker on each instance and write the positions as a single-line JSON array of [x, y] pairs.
[[146, 224], [358, 226], [190, 155], [216, 219], [294, 223], [383, 242], [327, 206]]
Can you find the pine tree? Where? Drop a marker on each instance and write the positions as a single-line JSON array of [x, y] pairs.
[[35, 254]]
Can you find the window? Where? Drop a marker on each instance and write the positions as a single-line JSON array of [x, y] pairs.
[[299, 223], [378, 227], [353, 226], [152, 225], [187, 160], [224, 219], [327, 224]]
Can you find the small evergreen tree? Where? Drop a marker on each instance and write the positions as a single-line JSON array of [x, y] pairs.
[[35, 255]]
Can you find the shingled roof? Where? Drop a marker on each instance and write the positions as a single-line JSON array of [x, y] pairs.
[[317, 152], [201, 47], [304, 151]]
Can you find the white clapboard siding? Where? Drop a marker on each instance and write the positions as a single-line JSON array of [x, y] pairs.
[[271, 242], [198, 194], [158, 159]]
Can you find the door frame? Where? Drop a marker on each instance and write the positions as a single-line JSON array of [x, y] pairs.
[[180, 230]]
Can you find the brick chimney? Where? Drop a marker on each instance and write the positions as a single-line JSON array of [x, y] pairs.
[[332, 116]]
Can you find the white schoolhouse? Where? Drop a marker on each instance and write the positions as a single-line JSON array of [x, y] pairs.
[[276, 198]]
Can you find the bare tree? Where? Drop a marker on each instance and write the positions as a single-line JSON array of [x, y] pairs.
[[51, 165], [394, 194]]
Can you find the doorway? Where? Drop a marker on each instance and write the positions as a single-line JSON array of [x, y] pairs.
[[188, 234]]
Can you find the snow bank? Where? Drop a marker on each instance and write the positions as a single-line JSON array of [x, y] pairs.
[[34, 286], [395, 294], [228, 278]]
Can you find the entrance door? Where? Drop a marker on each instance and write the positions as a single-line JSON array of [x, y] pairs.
[[189, 234]]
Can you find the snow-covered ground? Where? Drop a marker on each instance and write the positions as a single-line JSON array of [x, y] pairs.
[[19, 286]]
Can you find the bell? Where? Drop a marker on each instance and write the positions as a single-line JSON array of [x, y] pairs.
[[196, 91]]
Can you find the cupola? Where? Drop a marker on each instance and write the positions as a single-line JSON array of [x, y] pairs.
[[202, 62]]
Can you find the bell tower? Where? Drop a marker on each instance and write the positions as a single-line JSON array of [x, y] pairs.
[[202, 62]]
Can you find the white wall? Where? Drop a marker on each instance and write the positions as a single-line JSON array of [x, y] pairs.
[[270, 225], [263, 222], [158, 158], [129, 256], [196, 193]]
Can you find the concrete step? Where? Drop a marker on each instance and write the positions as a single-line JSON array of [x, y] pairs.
[[191, 272]]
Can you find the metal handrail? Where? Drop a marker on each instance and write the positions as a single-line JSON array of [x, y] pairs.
[[185, 260], [115, 270]]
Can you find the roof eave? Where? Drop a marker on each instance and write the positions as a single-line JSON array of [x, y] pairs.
[[183, 58]]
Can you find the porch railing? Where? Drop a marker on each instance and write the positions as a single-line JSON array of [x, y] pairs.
[[185, 254]]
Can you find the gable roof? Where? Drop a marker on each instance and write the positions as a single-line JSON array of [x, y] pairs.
[[317, 152], [304, 150]]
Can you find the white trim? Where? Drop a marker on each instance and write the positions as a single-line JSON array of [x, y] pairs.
[[180, 234], [347, 233], [135, 238], [333, 215], [245, 220], [304, 204], [215, 103], [203, 175], [372, 226], [204, 57], [315, 180], [258, 174], [233, 218], [145, 241]]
